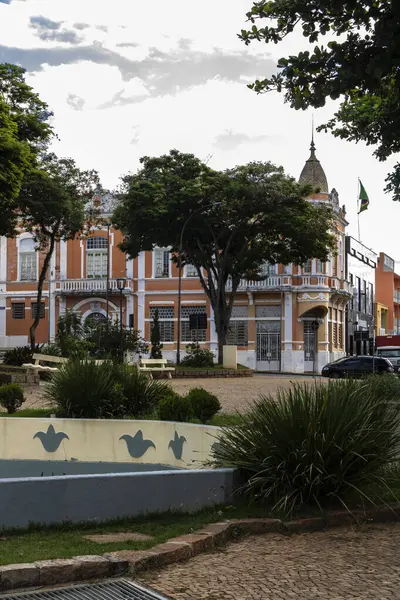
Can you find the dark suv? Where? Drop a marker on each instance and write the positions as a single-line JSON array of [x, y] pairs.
[[357, 366]]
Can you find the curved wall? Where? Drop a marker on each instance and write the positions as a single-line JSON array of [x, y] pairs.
[[178, 445]]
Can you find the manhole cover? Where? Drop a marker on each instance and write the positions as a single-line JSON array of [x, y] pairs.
[[121, 589]]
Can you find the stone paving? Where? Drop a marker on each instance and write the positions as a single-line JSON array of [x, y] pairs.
[[361, 563], [233, 393]]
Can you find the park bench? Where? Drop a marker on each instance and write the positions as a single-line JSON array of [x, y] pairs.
[[46, 358], [155, 365], [38, 358]]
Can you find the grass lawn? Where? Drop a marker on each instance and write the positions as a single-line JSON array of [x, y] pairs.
[[67, 540]]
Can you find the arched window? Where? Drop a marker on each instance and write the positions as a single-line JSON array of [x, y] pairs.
[[27, 260], [96, 257]]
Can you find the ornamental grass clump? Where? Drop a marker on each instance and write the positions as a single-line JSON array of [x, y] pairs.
[[315, 445]]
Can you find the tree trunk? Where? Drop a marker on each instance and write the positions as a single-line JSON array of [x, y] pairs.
[[222, 315], [42, 277]]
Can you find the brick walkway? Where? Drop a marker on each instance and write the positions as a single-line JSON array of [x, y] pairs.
[[339, 564]]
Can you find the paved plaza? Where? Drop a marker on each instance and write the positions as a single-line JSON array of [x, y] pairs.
[[360, 563]]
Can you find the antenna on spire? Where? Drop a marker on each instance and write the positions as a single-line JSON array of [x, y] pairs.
[[312, 147]]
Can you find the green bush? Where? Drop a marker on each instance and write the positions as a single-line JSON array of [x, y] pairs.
[[175, 408], [17, 357], [83, 389], [51, 350], [319, 445], [204, 404], [385, 386], [142, 395], [11, 397], [197, 357]]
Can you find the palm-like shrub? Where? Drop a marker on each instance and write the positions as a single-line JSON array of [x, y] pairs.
[[84, 389], [315, 445], [142, 395]]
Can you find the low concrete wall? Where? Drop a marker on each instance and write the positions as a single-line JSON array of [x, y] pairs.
[[179, 445], [99, 498]]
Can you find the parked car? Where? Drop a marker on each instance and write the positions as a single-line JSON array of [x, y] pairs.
[[357, 366]]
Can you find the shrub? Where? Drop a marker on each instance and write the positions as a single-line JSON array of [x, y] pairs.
[[51, 350], [16, 357], [204, 404], [142, 394], [11, 397], [385, 386], [197, 357], [83, 389], [315, 445], [175, 408]]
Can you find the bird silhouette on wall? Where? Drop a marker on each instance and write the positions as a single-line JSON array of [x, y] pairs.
[[177, 445], [136, 445], [51, 440]]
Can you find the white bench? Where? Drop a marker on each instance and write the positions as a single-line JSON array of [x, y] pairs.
[[155, 365], [46, 358], [38, 358]]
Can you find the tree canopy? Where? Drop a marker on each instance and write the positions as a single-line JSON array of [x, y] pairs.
[[52, 206], [361, 64], [25, 132], [238, 219]]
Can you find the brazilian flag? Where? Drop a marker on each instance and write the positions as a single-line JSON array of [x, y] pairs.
[[363, 198]]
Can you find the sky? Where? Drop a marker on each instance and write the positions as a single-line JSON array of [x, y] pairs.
[[127, 79]]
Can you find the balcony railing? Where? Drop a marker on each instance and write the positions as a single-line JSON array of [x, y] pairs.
[[89, 286], [313, 281], [269, 283], [397, 297]]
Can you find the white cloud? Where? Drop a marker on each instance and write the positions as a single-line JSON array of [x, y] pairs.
[[175, 77]]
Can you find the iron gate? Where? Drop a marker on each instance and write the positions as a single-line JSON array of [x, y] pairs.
[[309, 344], [269, 348]]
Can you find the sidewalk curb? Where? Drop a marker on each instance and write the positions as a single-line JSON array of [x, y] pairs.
[[114, 564]]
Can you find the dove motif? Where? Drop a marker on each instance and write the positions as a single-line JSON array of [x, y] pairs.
[[51, 440], [137, 446]]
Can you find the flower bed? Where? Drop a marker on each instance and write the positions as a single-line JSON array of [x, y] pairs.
[[206, 373]]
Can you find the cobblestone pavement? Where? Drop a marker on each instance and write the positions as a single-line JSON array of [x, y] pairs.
[[340, 564], [233, 393], [236, 393]]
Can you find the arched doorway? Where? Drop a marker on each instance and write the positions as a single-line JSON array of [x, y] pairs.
[[95, 318]]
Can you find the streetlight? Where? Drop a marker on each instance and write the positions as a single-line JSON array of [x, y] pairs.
[[121, 283], [178, 336]]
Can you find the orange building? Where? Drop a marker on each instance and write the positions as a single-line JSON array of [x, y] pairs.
[[291, 321], [387, 284]]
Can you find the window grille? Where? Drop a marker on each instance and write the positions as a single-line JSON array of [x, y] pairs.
[[194, 335], [268, 311], [166, 322], [18, 310], [34, 310], [238, 333]]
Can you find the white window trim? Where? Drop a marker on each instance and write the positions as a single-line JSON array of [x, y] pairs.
[[153, 258], [25, 236]]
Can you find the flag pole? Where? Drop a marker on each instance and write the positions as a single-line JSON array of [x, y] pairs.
[[358, 208]]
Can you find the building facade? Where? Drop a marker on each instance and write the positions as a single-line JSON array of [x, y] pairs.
[[292, 321], [361, 263], [387, 283]]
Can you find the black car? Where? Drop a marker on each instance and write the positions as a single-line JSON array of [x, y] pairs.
[[357, 366]]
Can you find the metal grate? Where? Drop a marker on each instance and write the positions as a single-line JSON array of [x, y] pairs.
[[121, 589]]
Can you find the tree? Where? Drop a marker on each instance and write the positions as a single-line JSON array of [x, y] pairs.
[[52, 206], [15, 158], [24, 132], [155, 337], [362, 64], [262, 216]]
